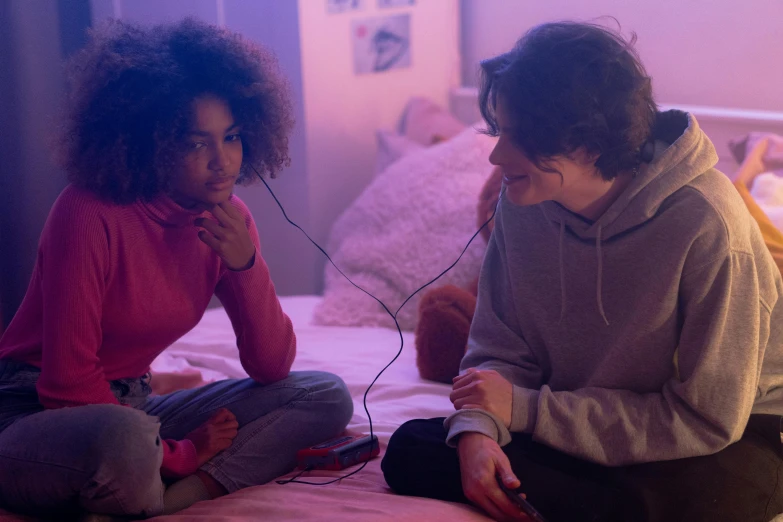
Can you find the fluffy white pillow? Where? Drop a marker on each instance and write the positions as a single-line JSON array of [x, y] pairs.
[[409, 225], [767, 190]]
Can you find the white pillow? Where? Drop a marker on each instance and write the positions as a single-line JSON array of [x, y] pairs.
[[409, 225], [391, 147], [767, 190]]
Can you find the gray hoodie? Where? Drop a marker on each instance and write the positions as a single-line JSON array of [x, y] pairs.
[[650, 334]]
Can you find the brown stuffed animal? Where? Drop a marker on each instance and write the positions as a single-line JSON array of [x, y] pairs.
[[445, 313]]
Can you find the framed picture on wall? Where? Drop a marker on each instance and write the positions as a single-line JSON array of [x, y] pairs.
[[342, 6], [381, 44]]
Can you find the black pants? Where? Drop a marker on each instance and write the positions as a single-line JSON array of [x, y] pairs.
[[742, 483]]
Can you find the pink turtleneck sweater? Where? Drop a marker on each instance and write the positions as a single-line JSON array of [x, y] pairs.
[[114, 285]]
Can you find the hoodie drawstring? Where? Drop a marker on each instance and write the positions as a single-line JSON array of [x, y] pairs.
[[598, 285], [562, 274], [599, 281]]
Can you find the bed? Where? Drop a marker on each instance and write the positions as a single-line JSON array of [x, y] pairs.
[[356, 354]]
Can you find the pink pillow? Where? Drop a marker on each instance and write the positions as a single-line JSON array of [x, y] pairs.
[[427, 123], [391, 147]]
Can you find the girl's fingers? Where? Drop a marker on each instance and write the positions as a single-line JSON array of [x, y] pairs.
[[209, 240], [223, 215], [212, 227]]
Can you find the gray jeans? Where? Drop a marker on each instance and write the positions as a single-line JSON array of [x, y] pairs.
[[106, 458]]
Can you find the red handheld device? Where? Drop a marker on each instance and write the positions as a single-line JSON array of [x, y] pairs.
[[339, 453]]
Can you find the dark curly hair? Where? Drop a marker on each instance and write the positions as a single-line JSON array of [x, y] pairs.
[[131, 98], [569, 85]]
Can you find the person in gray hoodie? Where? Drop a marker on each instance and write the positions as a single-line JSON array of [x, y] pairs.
[[625, 360]]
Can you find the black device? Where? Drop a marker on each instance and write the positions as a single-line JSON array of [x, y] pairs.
[[339, 453], [517, 498]]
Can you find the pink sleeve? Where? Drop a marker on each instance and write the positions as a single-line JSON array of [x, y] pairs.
[[179, 459], [265, 335], [73, 258]]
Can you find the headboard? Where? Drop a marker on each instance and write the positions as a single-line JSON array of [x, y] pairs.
[[719, 123]]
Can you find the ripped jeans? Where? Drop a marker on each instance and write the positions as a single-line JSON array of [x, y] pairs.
[[106, 458]]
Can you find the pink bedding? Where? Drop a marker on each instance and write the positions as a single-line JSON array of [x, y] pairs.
[[356, 354], [361, 498]]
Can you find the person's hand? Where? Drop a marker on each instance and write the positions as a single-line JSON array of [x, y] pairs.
[[228, 237], [763, 157], [772, 157], [485, 390], [167, 382], [214, 436], [481, 463], [753, 165]]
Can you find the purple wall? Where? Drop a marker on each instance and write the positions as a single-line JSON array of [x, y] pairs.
[[35, 35]]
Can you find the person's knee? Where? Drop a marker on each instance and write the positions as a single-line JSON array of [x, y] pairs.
[[124, 437], [107, 456], [391, 462], [395, 464], [332, 396], [337, 399], [410, 435], [402, 438], [126, 457]]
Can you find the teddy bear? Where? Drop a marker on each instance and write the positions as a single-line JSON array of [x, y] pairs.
[[445, 313]]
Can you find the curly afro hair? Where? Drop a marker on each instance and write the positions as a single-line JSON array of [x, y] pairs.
[[569, 85], [131, 99]]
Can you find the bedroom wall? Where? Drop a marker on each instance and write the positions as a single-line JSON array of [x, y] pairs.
[[699, 52], [35, 36], [344, 110]]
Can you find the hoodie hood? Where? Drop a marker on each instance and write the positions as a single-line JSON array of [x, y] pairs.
[[682, 153]]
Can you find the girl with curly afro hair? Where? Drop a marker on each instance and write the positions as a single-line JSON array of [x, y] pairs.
[[625, 357], [162, 123]]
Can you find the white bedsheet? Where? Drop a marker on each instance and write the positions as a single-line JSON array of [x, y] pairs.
[[355, 354]]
